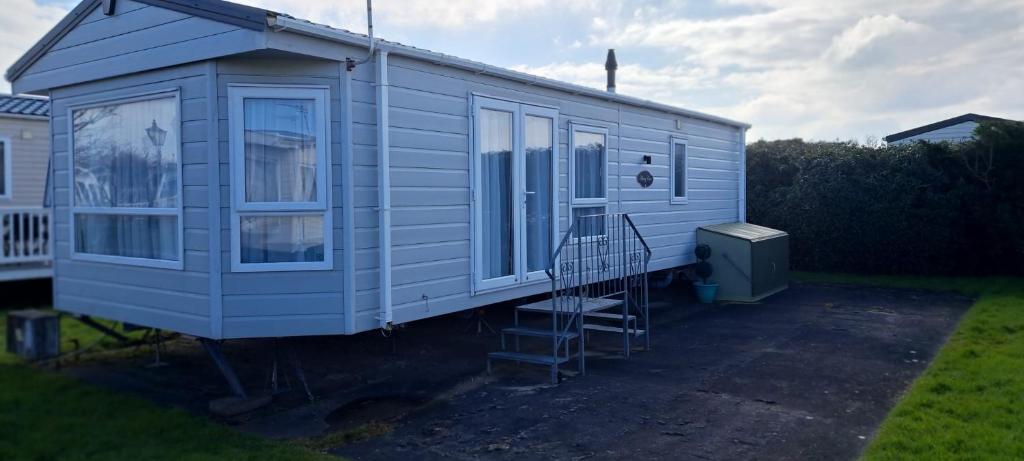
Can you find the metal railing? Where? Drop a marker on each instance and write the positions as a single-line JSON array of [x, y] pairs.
[[600, 258], [25, 235]]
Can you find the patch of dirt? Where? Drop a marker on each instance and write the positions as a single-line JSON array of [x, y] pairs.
[[803, 374]]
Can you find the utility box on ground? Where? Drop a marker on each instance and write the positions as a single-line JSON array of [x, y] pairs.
[[750, 262], [33, 334]]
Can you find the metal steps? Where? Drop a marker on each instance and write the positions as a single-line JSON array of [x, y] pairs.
[[540, 359], [611, 329], [538, 332], [598, 283], [609, 316], [589, 305]]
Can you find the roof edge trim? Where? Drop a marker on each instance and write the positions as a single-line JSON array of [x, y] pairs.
[[969, 117], [284, 23], [229, 13], [53, 36]]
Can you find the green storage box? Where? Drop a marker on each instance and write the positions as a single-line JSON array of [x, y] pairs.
[[750, 262]]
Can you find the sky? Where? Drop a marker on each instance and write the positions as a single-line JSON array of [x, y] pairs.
[[820, 70]]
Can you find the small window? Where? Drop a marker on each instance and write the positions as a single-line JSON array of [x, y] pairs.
[[589, 169], [679, 180], [279, 142], [590, 219], [126, 169], [5, 167]]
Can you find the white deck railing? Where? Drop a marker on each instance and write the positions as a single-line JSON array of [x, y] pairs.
[[25, 235]]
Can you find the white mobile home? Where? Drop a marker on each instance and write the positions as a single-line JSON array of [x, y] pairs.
[[956, 129], [24, 155], [231, 172]]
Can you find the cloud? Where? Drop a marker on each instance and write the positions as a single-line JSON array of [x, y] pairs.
[[430, 13], [820, 70], [21, 29], [826, 70], [866, 31], [660, 84]]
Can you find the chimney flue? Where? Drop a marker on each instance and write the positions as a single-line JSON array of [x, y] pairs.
[[611, 65]]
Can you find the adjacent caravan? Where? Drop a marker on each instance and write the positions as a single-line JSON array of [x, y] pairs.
[[25, 250], [230, 172]]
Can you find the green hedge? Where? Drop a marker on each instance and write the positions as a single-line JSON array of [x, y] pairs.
[[921, 208]]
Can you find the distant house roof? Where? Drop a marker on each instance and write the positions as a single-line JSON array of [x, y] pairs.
[[943, 124], [22, 106]]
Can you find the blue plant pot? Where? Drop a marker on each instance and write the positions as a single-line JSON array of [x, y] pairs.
[[705, 292]]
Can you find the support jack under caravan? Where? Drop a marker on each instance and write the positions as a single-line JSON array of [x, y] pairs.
[[241, 401], [214, 351]]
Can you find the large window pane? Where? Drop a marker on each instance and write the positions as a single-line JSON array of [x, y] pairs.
[[679, 170], [589, 151], [132, 236], [496, 188], [539, 212], [279, 239], [126, 155], [280, 150], [589, 221]]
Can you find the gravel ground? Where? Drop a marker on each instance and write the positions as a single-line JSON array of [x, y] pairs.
[[809, 373]]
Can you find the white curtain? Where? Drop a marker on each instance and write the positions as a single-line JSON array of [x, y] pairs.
[[589, 150], [280, 166], [589, 220], [280, 150], [496, 179], [126, 156], [132, 236], [288, 238], [539, 187]]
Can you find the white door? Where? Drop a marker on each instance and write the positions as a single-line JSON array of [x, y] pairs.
[[515, 200]]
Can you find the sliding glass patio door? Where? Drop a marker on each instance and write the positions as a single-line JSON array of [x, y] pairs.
[[515, 191]]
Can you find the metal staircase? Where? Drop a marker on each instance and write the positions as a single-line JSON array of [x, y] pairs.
[[598, 284]]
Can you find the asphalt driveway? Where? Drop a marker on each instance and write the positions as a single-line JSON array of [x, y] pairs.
[[809, 373]]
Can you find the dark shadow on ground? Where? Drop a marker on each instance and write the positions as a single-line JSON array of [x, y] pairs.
[[26, 294], [806, 374]]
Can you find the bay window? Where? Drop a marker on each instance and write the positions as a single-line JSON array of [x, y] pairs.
[[280, 206], [588, 166], [125, 179]]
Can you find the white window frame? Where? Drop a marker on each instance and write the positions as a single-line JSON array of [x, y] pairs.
[[519, 111], [6, 158], [586, 202], [241, 208], [177, 212], [685, 198]]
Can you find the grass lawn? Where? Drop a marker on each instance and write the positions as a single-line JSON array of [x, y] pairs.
[[969, 403], [47, 416]]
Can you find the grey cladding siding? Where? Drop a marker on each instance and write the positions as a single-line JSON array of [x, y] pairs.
[[955, 133], [30, 153], [171, 299], [430, 174], [133, 39], [281, 303]]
